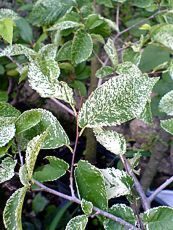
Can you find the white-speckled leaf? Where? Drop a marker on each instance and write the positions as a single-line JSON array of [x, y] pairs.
[[118, 100], [7, 130], [158, 218], [90, 184], [13, 210], [52, 171], [8, 13], [111, 140], [82, 47], [111, 52], [7, 110], [146, 114], [23, 175], [104, 71], [64, 53], [77, 223], [43, 77], [18, 49], [167, 125], [7, 169], [122, 211], [86, 206], [32, 151], [163, 34], [166, 103], [118, 183], [64, 25], [48, 51]]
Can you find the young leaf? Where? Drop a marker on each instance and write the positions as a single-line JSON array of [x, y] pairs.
[[166, 103], [77, 223], [90, 184], [32, 151], [86, 206], [167, 125], [118, 100], [7, 130], [52, 171], [6, 29], [84, 41], [111, 140], [23, 175], [64, 53], [43, 77], [13, 210], [64, 25], [104, 71], [111, 52], [122, 211], [48, 51], [118, 183], [25, 30], [7, 169], [158, 218]]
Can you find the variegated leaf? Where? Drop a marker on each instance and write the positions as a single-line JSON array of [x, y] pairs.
[[146, 114], [64, 53], [43, 77], [7, 169], [111, 52], [32, 151], [7, 110], [111, 140], [64, 25], [23, 175], [77, 223], [104, 71], [167, 125], [7, 130], [118, 183], [118, 100], [48, 51], [166, 103], [8, 13], [86, 206], [13, 210]]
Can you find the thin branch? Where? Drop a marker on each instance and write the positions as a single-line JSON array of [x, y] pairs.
[[138, 187], [78, 201], [160, 188], [63, 106], [73, 158], [117, 16]]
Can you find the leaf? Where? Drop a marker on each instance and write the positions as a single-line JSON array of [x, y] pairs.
[[43, 77], [7, 130], [118, 183], [86, 206], [7, 110], [77, 223], [46, 12], [118, 100], [64, 53], [146, 115], [163, 34], [23, 175], [64, 25], [166, 103], [3, 96], [84, 41], [104, 71], [158, 218], [52, 171], [90, 184], [8, 13], [111, 140], [7, 169], [130, 56], [80, 86], [32, 151], [121, 211], [167, 125], [36, 122], [141, 3], [111, 52], [107, 3], [13, 210], [6, 29], [48, 51], [25, 30], [39, 203]]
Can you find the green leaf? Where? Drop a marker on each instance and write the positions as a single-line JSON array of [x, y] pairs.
[[7, 169], [77, 223], [23, 175], [130, 56], [158, 218], [86, 206], [118, 183], [25, 30], [3, 96], [118, 100], [6, 29], [111, 52], [104, 71], [39, 203], [35, 125], [48, 51], [84, 41], [43, 77], [64, 53], [163, 34], [80, 86], [107, 3], [52, 171], [7, 130], [90, 184], [167, 125], [111, 140], [146, 115], [8, 13], [122, 211], [7, 110], [166, 103], [32, 151], [64, 25], [142, 3], [13, 210]]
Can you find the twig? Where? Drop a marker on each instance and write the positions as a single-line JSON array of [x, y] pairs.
[[78, 201], [73, 157], [138, 187], [117, 16], [63, 106], [160, 188]]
